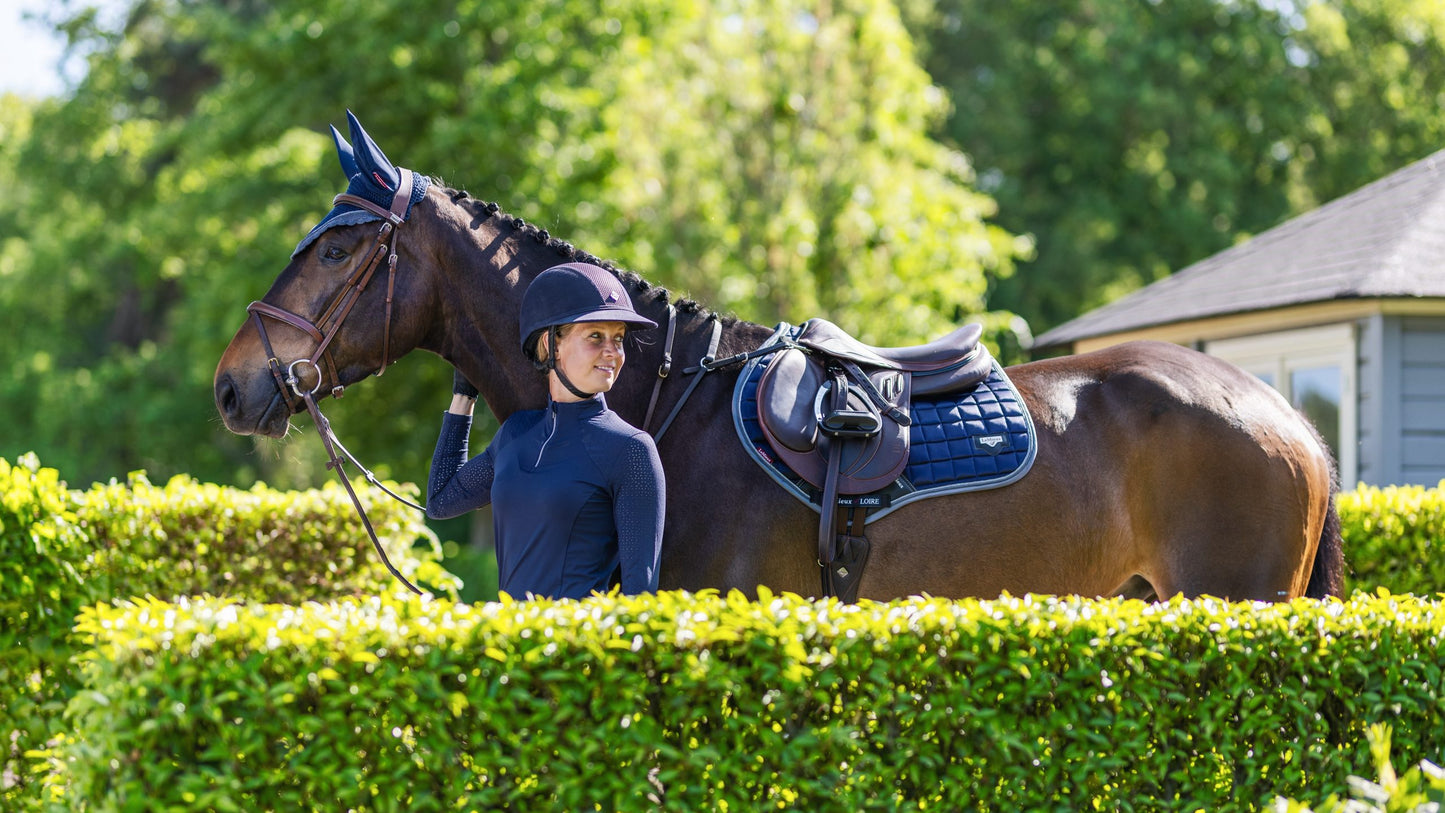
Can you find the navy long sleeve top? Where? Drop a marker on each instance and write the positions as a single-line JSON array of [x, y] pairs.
[[577, 494]]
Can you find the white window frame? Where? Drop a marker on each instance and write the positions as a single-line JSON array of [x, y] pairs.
[[1280, 354]]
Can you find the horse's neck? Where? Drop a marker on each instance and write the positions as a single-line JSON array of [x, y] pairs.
[[487, 274], [484, 273]]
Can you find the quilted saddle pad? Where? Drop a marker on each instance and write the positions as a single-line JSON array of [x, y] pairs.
[[975, 441]]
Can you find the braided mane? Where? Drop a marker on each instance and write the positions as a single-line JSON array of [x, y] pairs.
[[641, 289]]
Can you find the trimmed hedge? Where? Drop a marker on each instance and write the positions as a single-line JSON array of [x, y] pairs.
[[62, 549], [260, 544], [710, 702], [43, 574], [1421, 789], [1394, 537]]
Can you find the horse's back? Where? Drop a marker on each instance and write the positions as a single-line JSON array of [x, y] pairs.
[[1155, 463], [1151, 382]]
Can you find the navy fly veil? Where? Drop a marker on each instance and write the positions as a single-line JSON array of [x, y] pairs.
[[370, 175]]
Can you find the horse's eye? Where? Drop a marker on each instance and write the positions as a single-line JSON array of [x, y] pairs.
[[333, 253]]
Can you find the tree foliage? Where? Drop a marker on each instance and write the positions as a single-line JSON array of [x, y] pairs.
[[1135, 137], [771, 159], [776, 160]]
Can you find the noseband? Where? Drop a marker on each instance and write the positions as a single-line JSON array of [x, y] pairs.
[[324, 329]]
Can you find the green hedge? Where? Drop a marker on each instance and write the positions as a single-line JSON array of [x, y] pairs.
[[43, 573], [708, 702], [1394, 538], [188, 538], [1421, 789], [62, 549]]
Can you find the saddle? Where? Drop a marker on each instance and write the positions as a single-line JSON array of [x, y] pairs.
[[837, 412]]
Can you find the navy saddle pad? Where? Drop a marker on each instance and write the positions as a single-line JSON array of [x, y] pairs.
[[976, 441]]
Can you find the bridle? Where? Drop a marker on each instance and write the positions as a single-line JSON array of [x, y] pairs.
[[325, 328]]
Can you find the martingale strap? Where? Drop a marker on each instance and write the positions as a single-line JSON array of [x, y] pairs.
[[665, 368], [705, 366]]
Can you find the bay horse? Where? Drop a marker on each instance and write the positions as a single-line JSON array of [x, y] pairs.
[[1159, 470]]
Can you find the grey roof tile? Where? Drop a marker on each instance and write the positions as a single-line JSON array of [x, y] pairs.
[[1385, 239]]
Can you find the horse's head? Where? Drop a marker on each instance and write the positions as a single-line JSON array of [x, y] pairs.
[[336, 314]]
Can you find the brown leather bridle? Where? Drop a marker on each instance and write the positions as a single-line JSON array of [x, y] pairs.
[[325, 328]]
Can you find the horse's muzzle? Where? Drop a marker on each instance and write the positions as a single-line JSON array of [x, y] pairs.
[[254, 410]]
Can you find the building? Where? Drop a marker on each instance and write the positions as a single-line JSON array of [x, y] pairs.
[[1341, 309]]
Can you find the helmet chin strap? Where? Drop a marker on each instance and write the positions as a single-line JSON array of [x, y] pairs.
[[553, 333]]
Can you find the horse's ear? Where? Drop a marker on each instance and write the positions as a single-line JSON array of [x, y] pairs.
[[343, 152], [374, 166]]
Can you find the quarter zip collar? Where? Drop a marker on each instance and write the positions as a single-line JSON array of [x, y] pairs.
[[568, 412], [572, 410]]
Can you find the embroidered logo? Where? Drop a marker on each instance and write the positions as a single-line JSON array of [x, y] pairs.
[[612, 296], [991, 444]]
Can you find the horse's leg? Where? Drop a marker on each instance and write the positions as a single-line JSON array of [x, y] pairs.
[[1137, 587]]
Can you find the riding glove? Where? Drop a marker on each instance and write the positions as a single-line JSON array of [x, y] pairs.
[[461, 386]]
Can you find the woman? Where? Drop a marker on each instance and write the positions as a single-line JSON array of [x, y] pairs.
[[576, 492]]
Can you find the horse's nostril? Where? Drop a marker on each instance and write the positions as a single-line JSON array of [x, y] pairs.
[[226, 399]]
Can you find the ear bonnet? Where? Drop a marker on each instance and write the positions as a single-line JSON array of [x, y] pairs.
[[370, 175]]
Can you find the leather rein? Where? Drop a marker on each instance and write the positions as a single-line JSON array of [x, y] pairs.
[[324, 329]]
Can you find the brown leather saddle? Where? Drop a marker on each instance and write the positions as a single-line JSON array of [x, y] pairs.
[[837, 412]]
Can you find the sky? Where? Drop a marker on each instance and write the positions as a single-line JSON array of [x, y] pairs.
[[29, 51]]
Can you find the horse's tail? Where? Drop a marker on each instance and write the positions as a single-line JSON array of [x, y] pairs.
[[1327, 576]]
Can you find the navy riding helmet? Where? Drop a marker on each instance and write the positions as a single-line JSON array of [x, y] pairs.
[[574, 292]]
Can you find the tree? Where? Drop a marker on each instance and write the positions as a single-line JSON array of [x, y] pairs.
[[1134, 138], [1375, 77], [774, 160], [768, 158]]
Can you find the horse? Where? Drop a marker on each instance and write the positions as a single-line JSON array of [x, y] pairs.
[[1160, 471]]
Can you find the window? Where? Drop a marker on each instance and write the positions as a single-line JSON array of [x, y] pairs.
[[1315, 370]]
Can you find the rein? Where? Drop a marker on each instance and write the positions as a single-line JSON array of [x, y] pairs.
[[332, 443], [288, 381]]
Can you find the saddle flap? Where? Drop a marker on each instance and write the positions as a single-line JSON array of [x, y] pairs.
[[788, 413], [785, 401]]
